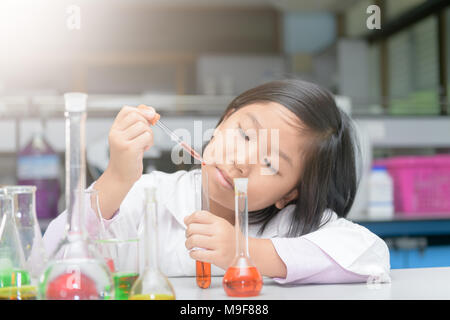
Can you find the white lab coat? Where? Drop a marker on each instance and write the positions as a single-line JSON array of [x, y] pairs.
[[353, 247]]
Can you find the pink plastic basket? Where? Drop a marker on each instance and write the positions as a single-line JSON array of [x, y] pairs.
[[421, 184]]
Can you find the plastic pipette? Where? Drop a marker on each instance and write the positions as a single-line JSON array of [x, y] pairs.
[[178, 140]]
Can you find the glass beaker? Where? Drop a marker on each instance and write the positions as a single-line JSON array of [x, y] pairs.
[[202, 269], [122, 258], [152, 284], [242, 278], [118, 244], [15, 281], [24, 211]]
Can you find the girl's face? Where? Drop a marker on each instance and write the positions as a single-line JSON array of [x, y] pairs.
[[262, 142]]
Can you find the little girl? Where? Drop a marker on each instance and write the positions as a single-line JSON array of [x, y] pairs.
[[297, 199]]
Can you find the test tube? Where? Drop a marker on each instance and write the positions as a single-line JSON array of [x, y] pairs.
[[203, 269]]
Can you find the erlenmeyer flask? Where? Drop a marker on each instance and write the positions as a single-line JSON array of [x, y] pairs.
[[242, 278], [76, 271], [202, 269], [15, 281], [152, 284], [24, 211]]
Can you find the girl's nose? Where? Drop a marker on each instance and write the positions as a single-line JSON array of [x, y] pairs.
[[243, 169]]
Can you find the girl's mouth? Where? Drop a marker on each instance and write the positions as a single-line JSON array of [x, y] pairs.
[[224, 179]]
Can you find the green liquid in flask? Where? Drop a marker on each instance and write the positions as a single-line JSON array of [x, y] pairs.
[[14, 278], [123, 283], [15, 285]]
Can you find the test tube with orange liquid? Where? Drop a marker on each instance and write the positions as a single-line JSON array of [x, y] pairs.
[[242, 278], [203, 269]]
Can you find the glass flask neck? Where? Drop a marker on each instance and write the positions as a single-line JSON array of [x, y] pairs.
[[75, 170], [241, 224], [150, 237]]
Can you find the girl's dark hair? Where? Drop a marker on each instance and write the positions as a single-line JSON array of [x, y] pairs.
[[329, 178]]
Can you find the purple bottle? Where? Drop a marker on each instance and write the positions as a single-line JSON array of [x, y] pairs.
[[38, 165]]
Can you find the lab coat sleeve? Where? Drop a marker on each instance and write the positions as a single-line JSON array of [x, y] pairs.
[[339, 252]]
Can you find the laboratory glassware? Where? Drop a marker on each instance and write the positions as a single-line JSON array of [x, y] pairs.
[[24, 212], [119, 246], [202, 269], [152, 283], [38, 165], [122, 256], [76, 270], [242, 278], [15, 281], [180, 141]]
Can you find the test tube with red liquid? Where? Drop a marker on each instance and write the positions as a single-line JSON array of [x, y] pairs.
[[242, 278], [203, 269]]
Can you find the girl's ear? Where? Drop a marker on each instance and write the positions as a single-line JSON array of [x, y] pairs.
[[280, 204]]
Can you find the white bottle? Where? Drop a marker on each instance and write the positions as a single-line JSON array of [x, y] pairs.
[[381, 194]]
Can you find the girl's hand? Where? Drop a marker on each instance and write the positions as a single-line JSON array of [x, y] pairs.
[[205, 230], [129, 137]]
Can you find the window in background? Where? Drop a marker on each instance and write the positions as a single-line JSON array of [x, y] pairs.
[[355, 19], [394, 8], [374, 100], [413, 69]]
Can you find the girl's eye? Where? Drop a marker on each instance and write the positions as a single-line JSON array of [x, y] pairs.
[[246, 137]]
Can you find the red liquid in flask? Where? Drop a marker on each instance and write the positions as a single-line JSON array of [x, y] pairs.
[[110, 264], [203, 274], [72, 286], [242, 282]]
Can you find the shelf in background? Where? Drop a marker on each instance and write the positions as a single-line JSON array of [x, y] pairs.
[[401, 225]]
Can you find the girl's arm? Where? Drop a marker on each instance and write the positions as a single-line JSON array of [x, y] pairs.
[[129, 137], [341, 252], [266, 258], [298, 261]]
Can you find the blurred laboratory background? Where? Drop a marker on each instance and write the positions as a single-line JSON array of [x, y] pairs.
[[189, 58]]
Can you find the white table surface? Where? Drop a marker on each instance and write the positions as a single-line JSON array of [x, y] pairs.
[[406, 284]]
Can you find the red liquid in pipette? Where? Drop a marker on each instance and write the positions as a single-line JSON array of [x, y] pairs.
[[242, 282], [192, 152]]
